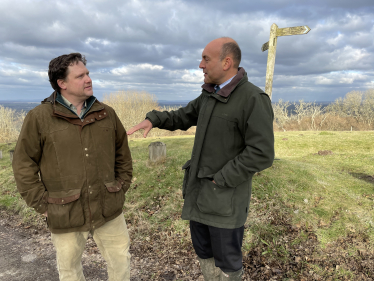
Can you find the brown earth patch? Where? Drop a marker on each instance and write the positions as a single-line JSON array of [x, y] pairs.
[[325, 152]]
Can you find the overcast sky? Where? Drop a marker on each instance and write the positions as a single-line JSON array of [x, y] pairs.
[[156, 45]]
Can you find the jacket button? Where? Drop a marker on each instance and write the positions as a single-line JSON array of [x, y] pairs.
[[99, 115], [87, 155], [93, 226], [62, 201], [90, 192], [88, 121], [104, 113], [86, 148], [89, 186], [93, 221], [91, 119]]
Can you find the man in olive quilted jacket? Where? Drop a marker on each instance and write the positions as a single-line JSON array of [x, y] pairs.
[[79, 148]]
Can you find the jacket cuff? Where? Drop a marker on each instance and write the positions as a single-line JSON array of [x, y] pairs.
[[151, 116], [218, 178], [42, 205], [125, 185]]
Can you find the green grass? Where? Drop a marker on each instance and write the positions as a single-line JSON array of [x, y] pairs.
[[330, 196]]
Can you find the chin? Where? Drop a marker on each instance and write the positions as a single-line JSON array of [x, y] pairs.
[[89, 94]]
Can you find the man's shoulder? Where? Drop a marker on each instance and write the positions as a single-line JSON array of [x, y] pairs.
[[107, 108], [252, 88], [41, 109], [249, 90]]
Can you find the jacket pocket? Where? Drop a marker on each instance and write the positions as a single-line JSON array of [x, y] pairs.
[[65, 209], [114, 198], [186, 168], [215, 199]]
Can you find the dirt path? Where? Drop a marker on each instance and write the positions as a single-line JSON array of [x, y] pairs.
[[28, 254]]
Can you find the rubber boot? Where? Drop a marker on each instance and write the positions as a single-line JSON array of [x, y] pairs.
[[209, 269], [231, 276]]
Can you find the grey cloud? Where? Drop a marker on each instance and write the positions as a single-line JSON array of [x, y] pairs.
[[172, 34]]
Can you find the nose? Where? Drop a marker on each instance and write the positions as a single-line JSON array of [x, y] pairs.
[[202, 65], [88, 79]]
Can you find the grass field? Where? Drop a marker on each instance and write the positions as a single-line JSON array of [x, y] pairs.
[[311, 214]]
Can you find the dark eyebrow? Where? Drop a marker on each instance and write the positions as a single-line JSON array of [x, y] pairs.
[[87, 72]]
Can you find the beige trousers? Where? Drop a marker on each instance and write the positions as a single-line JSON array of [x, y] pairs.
[[113, 242]]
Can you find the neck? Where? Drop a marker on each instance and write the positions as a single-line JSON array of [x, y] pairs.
[[78, 103], [231, 73]]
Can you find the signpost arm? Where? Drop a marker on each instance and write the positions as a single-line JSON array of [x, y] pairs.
[[271, 59]]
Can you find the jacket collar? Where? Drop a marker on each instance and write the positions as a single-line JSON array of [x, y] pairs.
[[59, 109], [226, 91]]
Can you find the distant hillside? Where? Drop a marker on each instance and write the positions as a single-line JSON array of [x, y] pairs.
[[19, 106]]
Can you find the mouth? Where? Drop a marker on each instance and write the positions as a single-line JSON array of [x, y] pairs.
[[88, 87]]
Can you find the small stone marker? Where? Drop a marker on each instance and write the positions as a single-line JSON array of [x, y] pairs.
[[11, 155], [271, 45], [157, 151]]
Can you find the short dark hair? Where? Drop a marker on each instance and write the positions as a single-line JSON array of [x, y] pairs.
[[58, 67], [231, 48]]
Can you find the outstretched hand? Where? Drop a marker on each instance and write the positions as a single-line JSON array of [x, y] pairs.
[[146, 125]]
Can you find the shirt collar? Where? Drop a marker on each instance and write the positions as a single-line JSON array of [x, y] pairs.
[[224, 83], [69, 104]]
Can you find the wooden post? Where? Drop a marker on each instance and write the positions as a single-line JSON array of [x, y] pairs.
[[271, 59], [11, 155], [1, 154], [272, 47], [157, 151]]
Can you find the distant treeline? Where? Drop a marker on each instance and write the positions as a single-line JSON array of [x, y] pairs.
[[353, 112]]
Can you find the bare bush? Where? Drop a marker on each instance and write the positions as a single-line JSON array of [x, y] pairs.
[[367, 108], [10, 124], [353, 112], [131, 108], [281, 115]]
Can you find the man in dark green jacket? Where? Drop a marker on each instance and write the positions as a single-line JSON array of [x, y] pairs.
[[234, 139], [72, 163]]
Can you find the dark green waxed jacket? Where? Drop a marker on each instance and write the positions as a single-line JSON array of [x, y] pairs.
[[234, 139], [85, 167]]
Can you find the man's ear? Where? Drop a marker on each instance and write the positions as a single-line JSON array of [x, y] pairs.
[[227, 63], [61, 83]]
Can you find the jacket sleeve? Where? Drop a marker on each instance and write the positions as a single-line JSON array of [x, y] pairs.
[[123, 165], [25, 164], [181, 119], [258, 153]]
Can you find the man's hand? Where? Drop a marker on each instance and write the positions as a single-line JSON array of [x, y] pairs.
[[45, 214], [146, 125], [213, 181]]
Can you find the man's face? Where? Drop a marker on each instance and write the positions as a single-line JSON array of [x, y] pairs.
[[211, 64], [78, 82]]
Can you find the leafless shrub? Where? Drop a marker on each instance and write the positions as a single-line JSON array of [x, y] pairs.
[[281, 115], [10, 124], [353, 112]]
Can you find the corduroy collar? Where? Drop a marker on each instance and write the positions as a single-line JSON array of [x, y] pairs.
[[226, 91]]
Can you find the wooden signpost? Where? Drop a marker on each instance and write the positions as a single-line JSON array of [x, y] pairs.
[[275, 32]]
